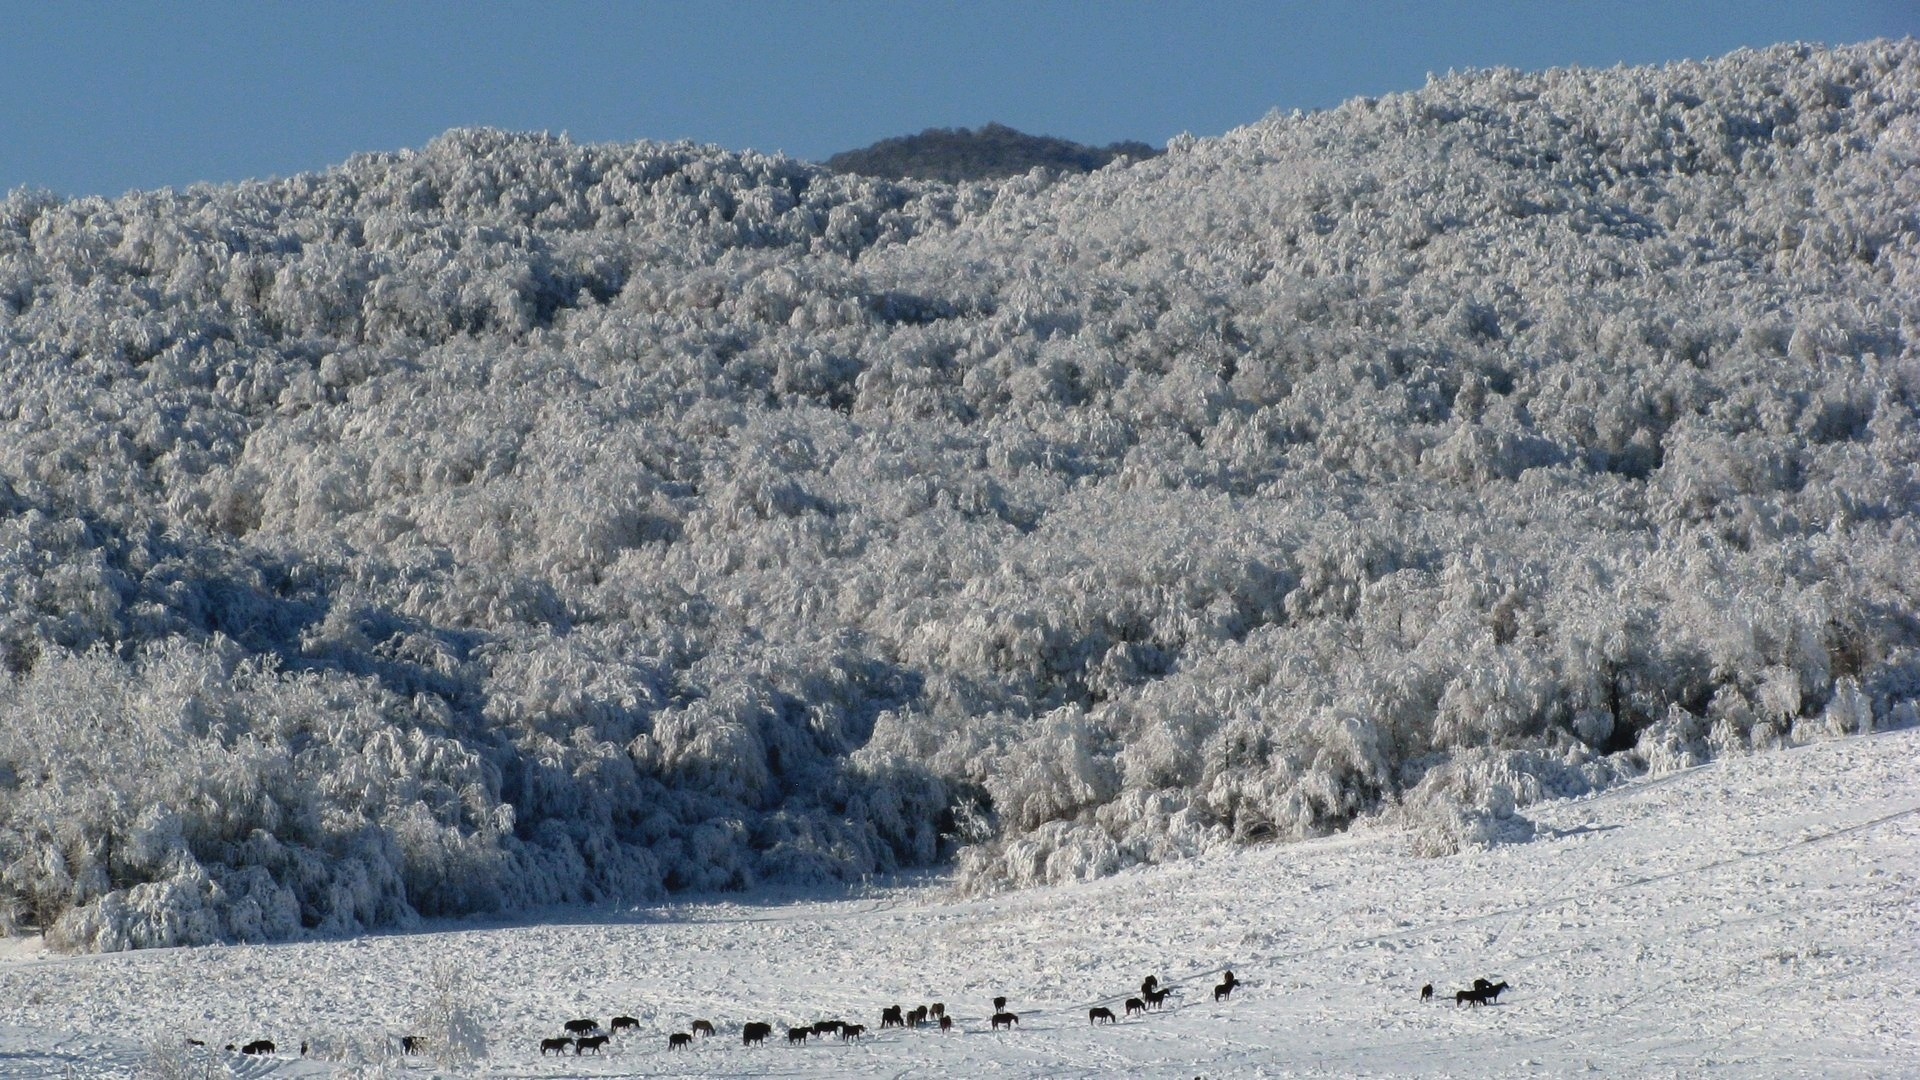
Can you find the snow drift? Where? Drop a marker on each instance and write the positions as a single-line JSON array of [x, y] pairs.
[[515, 522]]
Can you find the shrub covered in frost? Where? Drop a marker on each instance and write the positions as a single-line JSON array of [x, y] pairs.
[[516, 522]]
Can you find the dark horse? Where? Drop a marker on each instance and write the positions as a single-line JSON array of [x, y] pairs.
[[1482, 993], [679, 1040], [1005, 1020], [1099, 1013], [555, 1046]]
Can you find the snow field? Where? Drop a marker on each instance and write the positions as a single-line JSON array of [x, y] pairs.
[[1751, 917]]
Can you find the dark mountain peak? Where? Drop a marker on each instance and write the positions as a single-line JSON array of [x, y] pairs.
[[984, 153]]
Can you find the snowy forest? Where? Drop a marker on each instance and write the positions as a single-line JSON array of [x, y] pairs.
[[514, 522]]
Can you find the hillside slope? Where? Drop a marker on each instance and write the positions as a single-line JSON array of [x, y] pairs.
[[514, 522], [1728, 920]]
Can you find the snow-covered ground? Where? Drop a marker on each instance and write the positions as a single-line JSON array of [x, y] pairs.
[[1758, 916]]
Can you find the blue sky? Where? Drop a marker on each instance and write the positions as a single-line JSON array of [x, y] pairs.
[[103, 98]]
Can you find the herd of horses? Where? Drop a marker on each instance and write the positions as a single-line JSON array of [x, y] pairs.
[[1483, 993], [585, 1035], [1153, 996], [408, 1044]]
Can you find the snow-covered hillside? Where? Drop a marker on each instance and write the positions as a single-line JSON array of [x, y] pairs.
[[515, 522], [1754, 917]]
